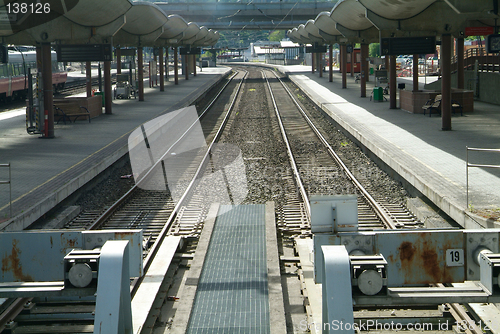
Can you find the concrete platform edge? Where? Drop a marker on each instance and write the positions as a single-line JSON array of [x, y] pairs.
[[313, 291], [276, 303], [30, 215], [147, 300], [26, 218]]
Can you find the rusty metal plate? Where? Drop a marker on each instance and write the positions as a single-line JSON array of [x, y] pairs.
[[35, 256], [38, 256], [416, 258]]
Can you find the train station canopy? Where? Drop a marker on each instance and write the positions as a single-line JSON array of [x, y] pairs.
[[120, 22], [365, 21]]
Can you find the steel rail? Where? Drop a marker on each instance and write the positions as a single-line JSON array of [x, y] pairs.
[[99, 221], [381, 213], [189, 188], [386, 219], [12, 311], [295, 169]]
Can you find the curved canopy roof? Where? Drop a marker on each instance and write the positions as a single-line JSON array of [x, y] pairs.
[[191, 31], [121, 22], [367, 20], [210, 39], [174, 29]]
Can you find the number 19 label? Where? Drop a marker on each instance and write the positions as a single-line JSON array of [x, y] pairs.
[[454, 257]]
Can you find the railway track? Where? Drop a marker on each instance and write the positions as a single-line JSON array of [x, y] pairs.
[[156, 212], [159, 215], [316, 163], [373, 213]]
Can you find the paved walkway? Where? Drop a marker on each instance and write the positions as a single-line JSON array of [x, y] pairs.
[[232, 292], [45, 171], [413, 145]]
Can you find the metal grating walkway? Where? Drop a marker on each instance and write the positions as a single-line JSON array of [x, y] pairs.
[[232, 294]]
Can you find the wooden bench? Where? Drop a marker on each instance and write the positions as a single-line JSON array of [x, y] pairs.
[[433, 104], [456, 105], [70, 111]]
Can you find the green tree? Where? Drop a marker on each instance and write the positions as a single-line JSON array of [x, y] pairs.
[[277, 35], [374, 50]]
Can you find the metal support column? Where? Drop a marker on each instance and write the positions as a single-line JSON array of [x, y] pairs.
[[186, 66], [140, 72], [88, 75], [99, 75], [194, 65], [162, 77], [118, 60], [155, 62], [352, 61], [166, 63], [446, 82], [415, 74], [337, 291], [48, 93], [176, 68], [367, 63], [460, 63], [343, 64], [320, 64], [364, 68], [392, 83], [150, 79], [330, 63], [313, 62], [107, 88]]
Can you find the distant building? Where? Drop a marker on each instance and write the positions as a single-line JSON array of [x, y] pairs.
[[282, 53]]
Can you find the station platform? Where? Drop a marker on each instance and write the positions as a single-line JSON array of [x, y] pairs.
[[413, 145], [46, 171]]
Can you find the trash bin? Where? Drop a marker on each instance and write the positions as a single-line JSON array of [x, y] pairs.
[[371, 70], [102, 95], [378, 94]]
